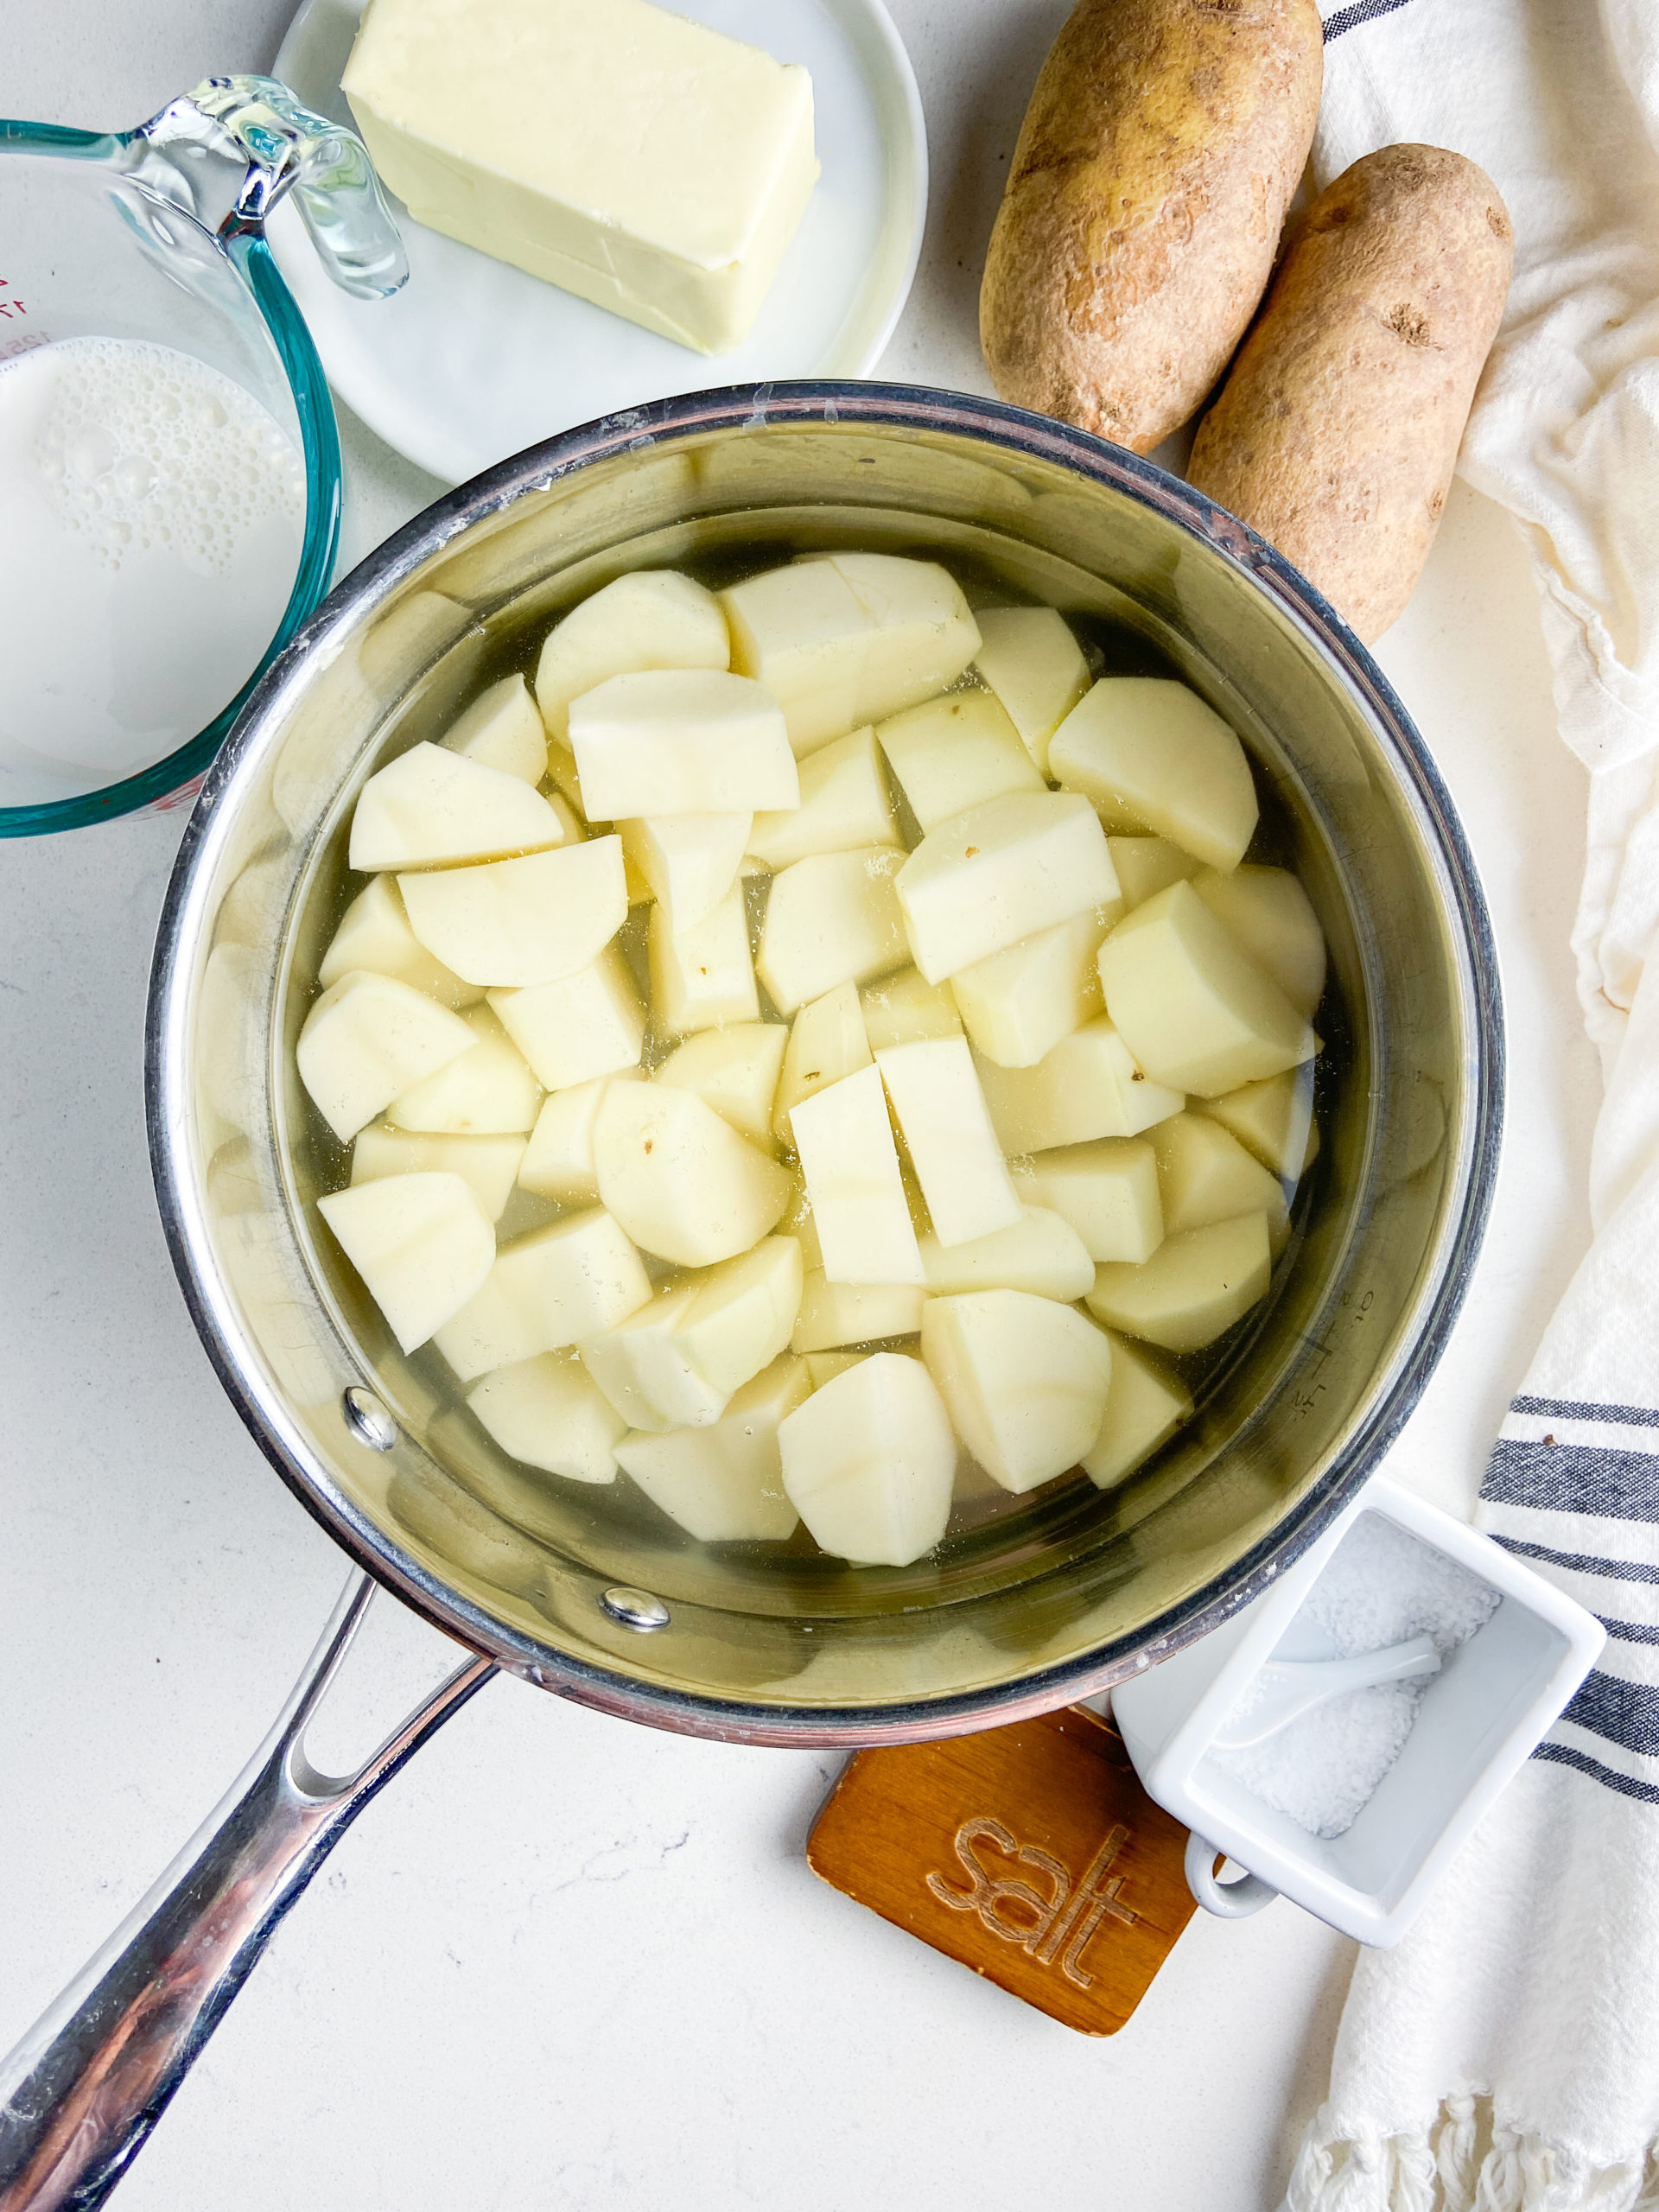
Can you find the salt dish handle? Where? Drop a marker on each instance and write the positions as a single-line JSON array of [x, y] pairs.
[[83, 2089], [1227, 1900]]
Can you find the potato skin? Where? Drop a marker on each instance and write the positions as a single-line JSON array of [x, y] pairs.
[[1337, 433], [1161, 146]]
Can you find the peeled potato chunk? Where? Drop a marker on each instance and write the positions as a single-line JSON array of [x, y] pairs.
[[1145, 1405], [487, 1092], [940, 1109], [1146, 866], [735, 1070], [1108, 1190], [546, 1291], [489, 1166], [925, 635], [1196, 1011], [834, 1313], [431, 808], [643, 1372], [681, 1180], [518, 922], [952, 753], [1273, 1118], [558, 1160], [1266, 910], [826, 1041], [850, 1166], [830, 919], [680, 1358], [655, 617], [844, 806], [422, 1243], [1001, 871], [1041, 1253], [502, 729], [869, 1462], [688, 861], [1017, 1005], [548, 1412], [366, 1040], [1024, 1379], [724, 1483], [670, 740], [586, 1025], [1193, 1288], [702, 975], [1152, 755], [1089, 1085], [1205, 1175], [906, 1009], [374, 933], [1029, 659]]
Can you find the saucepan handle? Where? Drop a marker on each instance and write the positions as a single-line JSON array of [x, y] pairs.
[[85, 2087]]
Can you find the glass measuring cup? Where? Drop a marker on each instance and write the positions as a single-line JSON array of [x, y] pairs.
[[157, 234]]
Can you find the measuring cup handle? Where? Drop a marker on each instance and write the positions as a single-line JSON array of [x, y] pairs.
[[87, 2083], [1227, 1900]]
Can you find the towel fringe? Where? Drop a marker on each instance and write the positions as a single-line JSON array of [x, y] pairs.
[[1446, 2169]]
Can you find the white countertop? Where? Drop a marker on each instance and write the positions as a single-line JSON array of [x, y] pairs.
[[565, 1961]]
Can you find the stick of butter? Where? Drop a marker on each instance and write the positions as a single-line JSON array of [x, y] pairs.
[[641, 161]]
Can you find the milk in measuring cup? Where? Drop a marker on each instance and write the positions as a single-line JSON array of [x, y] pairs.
[[151, 517]]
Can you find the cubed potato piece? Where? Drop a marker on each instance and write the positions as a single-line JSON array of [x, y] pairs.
[[687, 862], [823, 1367], [558, 1162], [374, 934], [869, 1462], [950, 753], [906, 1009], [703, 1336], [834, 1313], [702, 977], [735, 1070], [999, 873], [826, 1042], [725, 1483], [1193, 1287], [1145, 1405], [655, 617], [548, 1412], [1042, 1254], [1088, 1086], [545, 1291], [485, 1092], [1109, 1191], [680, 1179], [936, 1099], [1273, 1118], [1152, 755], [1029, 659], [489, 1166], [844, 806], [431, 808], [850, 1166], [672, 740], [1205, 1175], [1272, 918], [1196, 1011], [643, 1372], [422, 1243], [1146, 866], [1019, 1004], [586, 1025], [502, 730], [1024, 1381], [514, 923], [924, 636], [832, 919], [366, 1040]]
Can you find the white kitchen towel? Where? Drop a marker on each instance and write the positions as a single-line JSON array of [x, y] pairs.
[[1505, 2057]]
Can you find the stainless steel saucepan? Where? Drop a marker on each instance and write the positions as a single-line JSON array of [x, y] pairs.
[[593, 1594]]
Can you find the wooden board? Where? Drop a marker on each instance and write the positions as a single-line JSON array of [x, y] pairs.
[[1030, 1853]]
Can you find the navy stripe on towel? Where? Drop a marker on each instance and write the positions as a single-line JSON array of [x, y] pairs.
[[1566, 1755], [1629, 1631], [1571, 1409], [1614, 1570], [1626, 1713], [1361, 11], [1574, 1478]]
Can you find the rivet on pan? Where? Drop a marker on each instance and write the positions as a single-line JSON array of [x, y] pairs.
[[635, 1609], [368, 1419]]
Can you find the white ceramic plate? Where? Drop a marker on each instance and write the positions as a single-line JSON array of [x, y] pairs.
[[473, 361]]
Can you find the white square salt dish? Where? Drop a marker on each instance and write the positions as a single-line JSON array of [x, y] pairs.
[[1355, 1810]]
